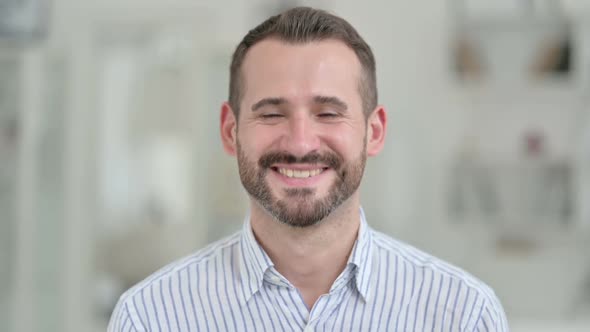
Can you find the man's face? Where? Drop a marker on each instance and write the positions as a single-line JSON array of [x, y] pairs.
[[301, 133]]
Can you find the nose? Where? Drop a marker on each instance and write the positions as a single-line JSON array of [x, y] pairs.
[[301, 137]]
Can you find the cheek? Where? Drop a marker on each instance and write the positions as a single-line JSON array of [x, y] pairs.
[[254, 141], [345, 139]]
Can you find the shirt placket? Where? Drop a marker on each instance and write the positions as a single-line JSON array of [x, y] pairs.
[[327, 305], [290, 306]]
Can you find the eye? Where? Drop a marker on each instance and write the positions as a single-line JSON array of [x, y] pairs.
[[271, 115], [328, 115]]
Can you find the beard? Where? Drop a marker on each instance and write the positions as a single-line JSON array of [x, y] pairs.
[[300, 208]]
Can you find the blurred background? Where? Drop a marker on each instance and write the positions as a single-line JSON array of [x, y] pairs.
[[111, 165]]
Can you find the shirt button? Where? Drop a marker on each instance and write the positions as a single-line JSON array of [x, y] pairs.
[[276, 279], [308, 329]]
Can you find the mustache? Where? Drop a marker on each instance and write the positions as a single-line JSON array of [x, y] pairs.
[[330, 159]]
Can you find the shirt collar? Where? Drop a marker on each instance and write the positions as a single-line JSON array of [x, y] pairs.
[[361, 257], [254, 262]]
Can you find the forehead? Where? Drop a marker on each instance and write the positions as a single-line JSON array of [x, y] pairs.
[[275, 68]]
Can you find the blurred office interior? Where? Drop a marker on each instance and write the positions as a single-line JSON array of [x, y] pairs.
[[111, 165]]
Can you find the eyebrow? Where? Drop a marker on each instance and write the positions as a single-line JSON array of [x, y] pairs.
[[277, 101], [330, 100], [273, 101]]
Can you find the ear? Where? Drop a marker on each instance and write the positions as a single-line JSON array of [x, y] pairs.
[[376, 129], [228, 127]]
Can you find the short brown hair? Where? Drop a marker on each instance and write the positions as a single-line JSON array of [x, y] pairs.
[[301, 25]]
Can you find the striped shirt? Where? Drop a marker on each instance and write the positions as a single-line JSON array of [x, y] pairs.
[[232, 285]]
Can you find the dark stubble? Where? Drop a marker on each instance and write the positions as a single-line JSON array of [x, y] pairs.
[[300, 208]]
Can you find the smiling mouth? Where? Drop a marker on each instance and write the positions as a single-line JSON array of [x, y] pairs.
[[299, 173]]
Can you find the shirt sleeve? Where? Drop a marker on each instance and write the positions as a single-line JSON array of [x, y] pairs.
[[492, 317], [124, 319]]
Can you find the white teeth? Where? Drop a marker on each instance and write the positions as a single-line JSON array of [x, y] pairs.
[[299, 174]]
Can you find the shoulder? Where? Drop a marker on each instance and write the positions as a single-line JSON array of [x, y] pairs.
[[211, 252], [417, 258], [160, 288], [443, 276]]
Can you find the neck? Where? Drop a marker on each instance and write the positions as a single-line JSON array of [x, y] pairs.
[[311, 258]]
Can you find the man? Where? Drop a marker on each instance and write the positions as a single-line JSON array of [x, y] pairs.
[[302, 118]]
